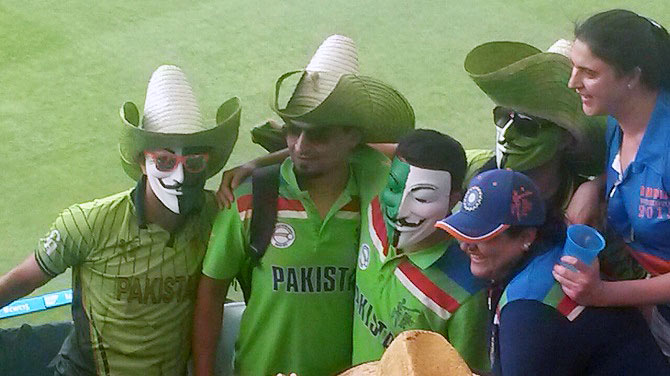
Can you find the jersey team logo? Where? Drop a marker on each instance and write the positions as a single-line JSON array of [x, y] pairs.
[[364, 257], [283, 236], [473, 198], [51, 242]]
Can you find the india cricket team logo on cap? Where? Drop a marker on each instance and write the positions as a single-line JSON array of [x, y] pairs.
[[473, 198], [284, 235]]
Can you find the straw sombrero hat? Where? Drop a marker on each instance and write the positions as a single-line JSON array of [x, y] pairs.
[[330, 92], [415, 353], [521, 77], [172, 119]]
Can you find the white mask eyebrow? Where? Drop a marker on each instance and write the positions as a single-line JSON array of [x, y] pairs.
[[421, 181], [500, 138]]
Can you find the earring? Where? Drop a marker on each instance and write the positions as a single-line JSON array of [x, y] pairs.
[[630, 86], [526, 246]]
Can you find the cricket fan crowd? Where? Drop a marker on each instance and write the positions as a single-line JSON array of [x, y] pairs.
[[364, 246]]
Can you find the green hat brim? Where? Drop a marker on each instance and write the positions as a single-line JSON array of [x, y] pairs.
[[221, 139], [521, 77], [270, 136], [380, 112]]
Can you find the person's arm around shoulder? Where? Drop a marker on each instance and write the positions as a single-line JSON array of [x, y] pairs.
[[232, 178], [21, 281], [207, 322]]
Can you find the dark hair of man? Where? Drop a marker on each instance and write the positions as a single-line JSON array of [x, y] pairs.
[[432, 150], [628, 41]]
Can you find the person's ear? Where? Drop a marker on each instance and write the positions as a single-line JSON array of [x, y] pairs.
[[354, 136], [567, 140], [141, 162], [634, 78], [528, 236]]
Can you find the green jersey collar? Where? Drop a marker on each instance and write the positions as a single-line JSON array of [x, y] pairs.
[[427, 257]]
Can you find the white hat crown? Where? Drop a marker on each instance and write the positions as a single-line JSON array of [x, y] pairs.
[[336, 56], [562, 47], [170, 105]]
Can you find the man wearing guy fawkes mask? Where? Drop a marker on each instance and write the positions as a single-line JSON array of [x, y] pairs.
[[537, 147], [136, 256], [178, 180], [410, 275], [540, 127], [542, 131]]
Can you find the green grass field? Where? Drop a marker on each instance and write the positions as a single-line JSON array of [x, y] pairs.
[[67, 66]]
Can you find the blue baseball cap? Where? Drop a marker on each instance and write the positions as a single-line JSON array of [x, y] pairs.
[[494, 201]]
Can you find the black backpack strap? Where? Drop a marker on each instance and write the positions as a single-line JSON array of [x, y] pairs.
[[265, 190]]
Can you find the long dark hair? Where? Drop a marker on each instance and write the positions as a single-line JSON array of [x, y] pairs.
[[628, 41]]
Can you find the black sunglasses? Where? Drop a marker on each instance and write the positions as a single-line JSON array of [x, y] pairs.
[[524, 124], [316, 135]]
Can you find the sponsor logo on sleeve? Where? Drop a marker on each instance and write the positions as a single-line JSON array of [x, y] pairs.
[[364, 257], [51, 241]]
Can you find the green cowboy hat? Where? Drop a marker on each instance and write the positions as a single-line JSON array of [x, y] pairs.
[[380, 112], [521, 77], [330, 92], [172, 120]]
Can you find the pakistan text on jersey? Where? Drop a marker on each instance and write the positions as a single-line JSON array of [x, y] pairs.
[[377, 328], [156, 290], [310, 279]]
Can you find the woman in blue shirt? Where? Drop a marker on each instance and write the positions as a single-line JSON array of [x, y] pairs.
[[621, 68], [538, 330]]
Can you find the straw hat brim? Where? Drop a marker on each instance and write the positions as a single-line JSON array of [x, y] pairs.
[[220, 139], [380, 112], [521, 77]]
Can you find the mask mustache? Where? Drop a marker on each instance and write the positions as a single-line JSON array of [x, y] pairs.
[[402, 222], [177, 186]]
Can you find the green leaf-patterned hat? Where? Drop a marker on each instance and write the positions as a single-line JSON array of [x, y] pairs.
[[172, 119]]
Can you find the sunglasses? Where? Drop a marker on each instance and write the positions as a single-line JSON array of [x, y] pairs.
[[524, 124], [317, 135], [167, 162]]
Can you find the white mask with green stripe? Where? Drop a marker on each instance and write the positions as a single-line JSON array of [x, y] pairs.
[[413, 200]]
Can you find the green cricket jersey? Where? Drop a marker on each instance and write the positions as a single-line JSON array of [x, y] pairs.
[[134, 285], [299, 314], [432, 289]]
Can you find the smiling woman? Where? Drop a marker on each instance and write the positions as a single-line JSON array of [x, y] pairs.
[[621, 69], [537, 329]]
